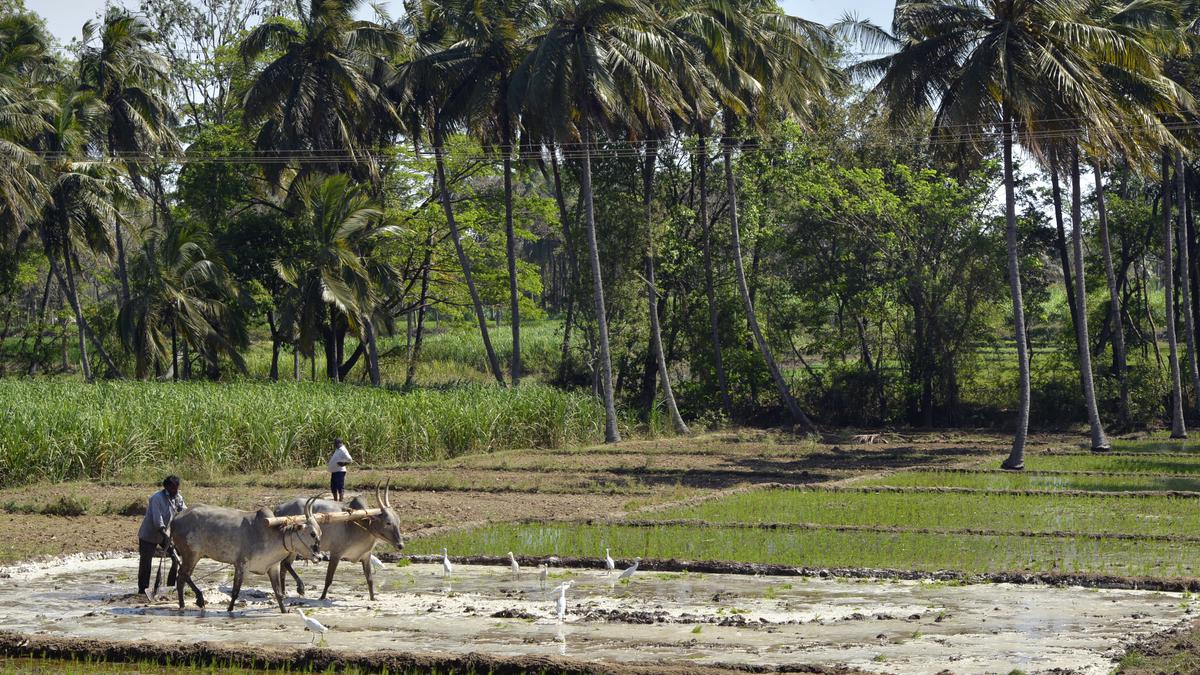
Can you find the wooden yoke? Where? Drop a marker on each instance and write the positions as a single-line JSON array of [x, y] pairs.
[[339, 517]]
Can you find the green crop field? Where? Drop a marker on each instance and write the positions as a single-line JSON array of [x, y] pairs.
[[984, 511], [997, 480], [825, 548]]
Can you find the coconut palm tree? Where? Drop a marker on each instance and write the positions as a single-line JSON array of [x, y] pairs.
[[26, 69], [702, 25], [179, 292], [592, 67], [81, 202], [331, 271], [487, 44], [792, 61], [660, 359], [320, 99], [1178, 426], [1140, 95], [1098, 439], [421, 93], [118, 65], [987, 67]]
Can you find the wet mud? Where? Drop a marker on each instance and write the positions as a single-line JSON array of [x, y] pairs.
[[483, 617]]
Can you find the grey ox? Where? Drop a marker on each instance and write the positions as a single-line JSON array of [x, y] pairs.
[[242, 539], [352, 541]]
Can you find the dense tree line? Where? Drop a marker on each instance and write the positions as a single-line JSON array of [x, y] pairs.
[[718, 200]]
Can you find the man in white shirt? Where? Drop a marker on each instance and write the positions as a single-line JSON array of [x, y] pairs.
[[337, 469], [156, 528]]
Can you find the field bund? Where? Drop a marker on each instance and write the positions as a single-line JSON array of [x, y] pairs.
[[882, 626]]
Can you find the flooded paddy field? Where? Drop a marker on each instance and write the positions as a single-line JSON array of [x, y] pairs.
[[688, 618]]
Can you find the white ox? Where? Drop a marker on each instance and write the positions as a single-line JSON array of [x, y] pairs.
[[242, 539], [352, 541]]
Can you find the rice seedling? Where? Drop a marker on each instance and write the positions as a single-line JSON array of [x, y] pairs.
[[1146, 463], [824, 548], [1034, 513], [59, 430], [996, 480], [1153, 445]]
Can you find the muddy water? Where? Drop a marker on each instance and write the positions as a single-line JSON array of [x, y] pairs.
[[909, 627]]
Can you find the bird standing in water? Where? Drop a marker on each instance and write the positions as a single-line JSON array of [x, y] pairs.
[[447, 568], [313, 625], [562, 600], [628, 573], [512, 564]]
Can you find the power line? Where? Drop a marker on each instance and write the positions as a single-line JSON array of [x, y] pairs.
[[614, 149]]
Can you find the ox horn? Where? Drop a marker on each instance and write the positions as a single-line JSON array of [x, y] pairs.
[[308, 507], [387, 494], [378, 498]]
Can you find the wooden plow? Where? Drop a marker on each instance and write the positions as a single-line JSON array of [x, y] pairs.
[[347, 516], [322, 518]]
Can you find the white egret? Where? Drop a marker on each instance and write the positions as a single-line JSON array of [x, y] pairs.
[[609, 563], [543, 572], [313, 625], [514, 566], [447, 568], [628, 573], [562, 600], [376, 562]]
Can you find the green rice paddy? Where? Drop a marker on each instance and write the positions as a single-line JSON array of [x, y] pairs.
[[984, 511], [825, 548]]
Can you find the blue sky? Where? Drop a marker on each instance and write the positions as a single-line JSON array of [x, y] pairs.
[[65, 17]]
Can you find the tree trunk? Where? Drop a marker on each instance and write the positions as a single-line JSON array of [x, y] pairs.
[[1016, 458], [1178, 428], [714, 319], [331, 360], [652, 291], [1061, 241], [798, 416], [174, 351], [1114, 300], [122, 274], [275, 340], [611, 434], [414, 353], [73, 296], [80, 324], [1099, 440], [440, 161], [187, 361], [295, 363], [511, 251], [345, 368], [372, 351], [40, 323], [572, 268], [1185, 276]]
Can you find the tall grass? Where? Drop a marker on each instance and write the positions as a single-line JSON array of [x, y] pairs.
[[60, 430]]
